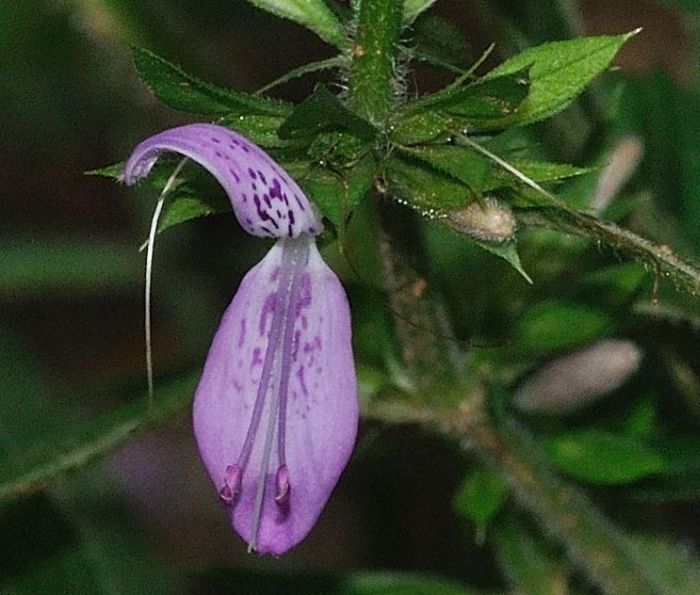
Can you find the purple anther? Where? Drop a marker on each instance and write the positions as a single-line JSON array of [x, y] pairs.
[[282, 482], [232, 485]]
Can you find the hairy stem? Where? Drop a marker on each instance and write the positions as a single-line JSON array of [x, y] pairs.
[[372, 83]]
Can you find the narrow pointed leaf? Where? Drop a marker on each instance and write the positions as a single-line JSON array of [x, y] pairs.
[[182, 91], [323, 111], [424, 187], [482, 174], [312, 14], [508, 251], [559, 71]]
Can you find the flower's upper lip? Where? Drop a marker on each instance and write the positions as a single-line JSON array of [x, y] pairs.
[[265, 199]]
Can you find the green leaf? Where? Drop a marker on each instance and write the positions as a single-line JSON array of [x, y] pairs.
[[555, 325], [480, 497], [262, 130], [323, 111], [484, 103], [423, 187], [312, 14], [336, 193], [182, 208], [508, 251], [413, 8], [481, 174], [70, 448], [603, 457], [181, 91], [438, 42], [559, 71], [422, 127]]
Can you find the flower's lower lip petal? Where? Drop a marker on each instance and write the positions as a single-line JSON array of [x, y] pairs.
[[265, 199], [321, 412]]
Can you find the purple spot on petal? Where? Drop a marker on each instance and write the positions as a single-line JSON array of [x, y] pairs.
[[302, 381], [215, 140], [301, 205], [257, 360], [241, 335], [235, 175], [252, 174]]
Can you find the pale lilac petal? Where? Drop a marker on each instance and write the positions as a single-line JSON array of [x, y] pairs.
[[266, 201], [321, 409]]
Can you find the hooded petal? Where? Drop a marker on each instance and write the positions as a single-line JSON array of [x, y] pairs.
[[321, 405], [266, 201]]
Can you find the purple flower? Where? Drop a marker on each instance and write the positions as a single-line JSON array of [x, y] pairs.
[[276, 410]]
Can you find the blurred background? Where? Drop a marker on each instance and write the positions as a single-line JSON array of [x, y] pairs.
[[145, 518]]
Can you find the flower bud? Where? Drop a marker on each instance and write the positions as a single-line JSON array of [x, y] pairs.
[[486, 219], [579, 378]]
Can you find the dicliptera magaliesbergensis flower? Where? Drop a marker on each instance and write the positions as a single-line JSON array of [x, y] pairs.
[[276, 409]]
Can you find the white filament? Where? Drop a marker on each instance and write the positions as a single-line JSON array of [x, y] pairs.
[[169, 187]]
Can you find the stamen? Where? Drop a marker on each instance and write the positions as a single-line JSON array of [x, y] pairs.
[[282, 481], [294, 260], [232, 485]]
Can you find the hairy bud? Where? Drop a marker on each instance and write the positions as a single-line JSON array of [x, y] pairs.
[[577, 379], [488, 220]]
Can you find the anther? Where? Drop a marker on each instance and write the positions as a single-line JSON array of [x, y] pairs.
[[282, 481], [232, 485]]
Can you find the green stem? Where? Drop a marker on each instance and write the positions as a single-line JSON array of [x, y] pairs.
[[372, 79]]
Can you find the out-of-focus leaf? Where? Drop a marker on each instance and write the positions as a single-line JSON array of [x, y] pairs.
[[527, 561], [81, 547], [555, 325], [412, 8], [312, 14], [44, 455], [309, 583], [323, 111], [424, 187], [603, 457], [66, 266], [559, 71], [480, 497], [676, 569], [182, 91]]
